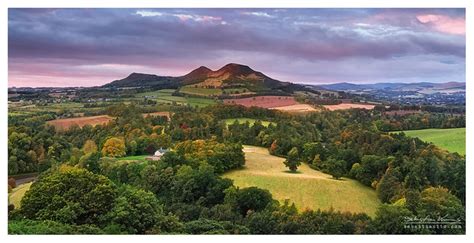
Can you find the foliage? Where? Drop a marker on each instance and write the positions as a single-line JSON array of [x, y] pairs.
[[252, 199], [292, 161], [136, 210], [114, 147], [72, 196]]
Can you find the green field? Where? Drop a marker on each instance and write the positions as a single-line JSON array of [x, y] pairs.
[[308, 189], [135, 157], [244, 120], [452, 139], [165, 96], [17, 194], [190, 89]]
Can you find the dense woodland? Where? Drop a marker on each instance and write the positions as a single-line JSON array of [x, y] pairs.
[[84, 189]]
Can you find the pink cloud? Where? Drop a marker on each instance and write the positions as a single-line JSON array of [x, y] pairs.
[[443, 23]]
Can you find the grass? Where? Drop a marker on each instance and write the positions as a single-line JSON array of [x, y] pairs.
[[165, 96], [190, 89], [308, 189], [452, 139], [17, 194], [244, 120], [135, 157]]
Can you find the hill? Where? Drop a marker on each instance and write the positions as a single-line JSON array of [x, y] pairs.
[[229, 77], [143, 80], [307, 189]]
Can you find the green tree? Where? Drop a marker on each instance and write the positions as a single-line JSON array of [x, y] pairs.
[[136, 210], [392, 219], [335, 167], [389, 186], [72, 196], [292, 160], [252, 198]]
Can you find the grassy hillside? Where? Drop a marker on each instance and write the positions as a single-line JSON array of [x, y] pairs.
[[453, 139], [17, 194], [307, 189], [251, 121]]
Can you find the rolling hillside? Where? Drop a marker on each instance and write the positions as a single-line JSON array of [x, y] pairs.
[[307, 189]]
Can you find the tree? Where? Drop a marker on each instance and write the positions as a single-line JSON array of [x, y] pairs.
[[252, 198], [438, 202], [89, 147], [389, 186], [292, 161], [391, 219], [335, 167], [90, 161], [71, 195], [114, 147], [136, 210], [317, 162]]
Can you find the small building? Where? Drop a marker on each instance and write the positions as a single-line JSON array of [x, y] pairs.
[[158, 154]]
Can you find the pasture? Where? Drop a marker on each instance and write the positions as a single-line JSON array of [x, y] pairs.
[[135, 157], [190, 89], [165, 96], [451, 139], [308, 188], [17, 194]]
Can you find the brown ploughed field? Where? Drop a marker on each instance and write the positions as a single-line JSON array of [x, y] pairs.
[[345, 106], [64, 124]]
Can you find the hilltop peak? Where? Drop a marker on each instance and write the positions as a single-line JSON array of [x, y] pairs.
[[236, 68], [197, 75]]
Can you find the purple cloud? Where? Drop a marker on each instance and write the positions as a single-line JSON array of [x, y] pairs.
[[63, 47]]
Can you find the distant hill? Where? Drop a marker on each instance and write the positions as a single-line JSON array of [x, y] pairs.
[[229, 76], [143, 80]]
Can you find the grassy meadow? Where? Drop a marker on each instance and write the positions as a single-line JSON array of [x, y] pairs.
[[17, 194], [165, 96], [308, 188], [134, 157], [190, 89], [452, 139]]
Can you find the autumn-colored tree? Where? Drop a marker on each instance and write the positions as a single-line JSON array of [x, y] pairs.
[[273, 147], [114, 147], [12, 182], [89, 147]]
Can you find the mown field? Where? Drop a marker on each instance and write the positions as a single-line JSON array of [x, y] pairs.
[[17, 194], [308, 189], [244, 120], [452, 139], [165, 96], [190, 89], [135, 157]]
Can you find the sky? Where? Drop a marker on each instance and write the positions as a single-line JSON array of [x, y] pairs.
[[90, 47]]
